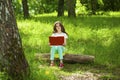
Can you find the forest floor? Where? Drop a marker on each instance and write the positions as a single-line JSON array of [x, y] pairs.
[[85, 76], [79, 71], [98, 36]]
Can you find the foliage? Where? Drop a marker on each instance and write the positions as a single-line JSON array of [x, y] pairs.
[[113, 5], [3, 76], [80, 9], [36, 6], [82, 6], [104, 5], [17, 6]]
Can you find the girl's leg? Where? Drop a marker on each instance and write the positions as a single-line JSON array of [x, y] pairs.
[[52, 52], [61, 60], [52, 63], [60, 51]]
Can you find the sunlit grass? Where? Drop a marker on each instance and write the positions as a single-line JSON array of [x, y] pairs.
[[91, 35]]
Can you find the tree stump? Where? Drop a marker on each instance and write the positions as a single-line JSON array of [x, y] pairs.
[[68, 58]]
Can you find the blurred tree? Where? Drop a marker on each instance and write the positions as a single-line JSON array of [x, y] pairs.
[[25, 9], [80, 9], [93, 6], [60, 8], [111, 5], [42, 6], [47, 6], [12, 58], [71, 8], [86, 3], [102, 5]]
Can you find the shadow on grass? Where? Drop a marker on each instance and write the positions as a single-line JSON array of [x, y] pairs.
[[93, 22], [105, 72]]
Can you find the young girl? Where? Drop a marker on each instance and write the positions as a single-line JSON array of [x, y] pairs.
[[58, 30]]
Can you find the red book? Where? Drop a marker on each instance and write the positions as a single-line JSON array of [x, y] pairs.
[[56, 40]]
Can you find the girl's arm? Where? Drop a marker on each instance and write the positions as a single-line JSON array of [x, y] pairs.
[[64, 42]]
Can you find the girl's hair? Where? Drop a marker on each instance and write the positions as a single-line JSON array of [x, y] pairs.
[[61, 25]]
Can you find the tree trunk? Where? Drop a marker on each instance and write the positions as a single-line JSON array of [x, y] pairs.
[[69, 58], [12, 58], [25, 9], [94, 6], [71, 8], [60, 8]]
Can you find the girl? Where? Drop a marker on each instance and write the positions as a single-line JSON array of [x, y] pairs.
[[58, 30]]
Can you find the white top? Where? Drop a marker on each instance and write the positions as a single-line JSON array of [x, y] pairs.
[[60, 34]]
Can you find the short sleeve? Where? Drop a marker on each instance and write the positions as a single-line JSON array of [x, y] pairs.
[[53, 34], [65, 35]]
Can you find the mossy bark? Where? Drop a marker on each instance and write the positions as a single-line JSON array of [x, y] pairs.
[[12, 58]]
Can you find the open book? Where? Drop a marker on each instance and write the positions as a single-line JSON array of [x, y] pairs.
[[59, 40]]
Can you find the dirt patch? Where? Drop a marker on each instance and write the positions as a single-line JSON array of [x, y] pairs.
[[77, 76]]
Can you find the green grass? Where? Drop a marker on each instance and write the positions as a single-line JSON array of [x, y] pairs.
[[93, 35]]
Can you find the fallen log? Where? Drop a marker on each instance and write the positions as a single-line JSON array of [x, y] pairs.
[[77, 58], [68, 58]]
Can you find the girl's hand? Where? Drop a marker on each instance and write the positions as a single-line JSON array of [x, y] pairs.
[[49, 44], [64, 44]]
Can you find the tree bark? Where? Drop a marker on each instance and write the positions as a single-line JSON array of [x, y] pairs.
[[25, 9], [75, 58], [71, 8], [12, 58], [69, 58], [60, 8], [94, 6]]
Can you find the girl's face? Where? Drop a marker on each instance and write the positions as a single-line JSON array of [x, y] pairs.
[[58, 27]]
